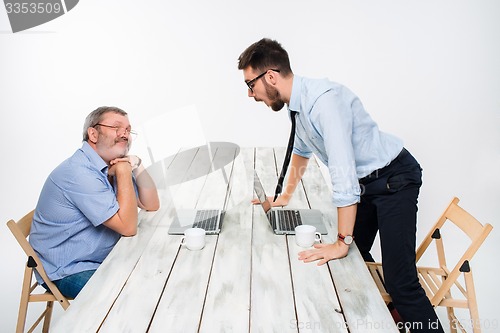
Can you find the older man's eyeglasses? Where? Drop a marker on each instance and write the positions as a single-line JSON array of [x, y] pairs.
[[251, 83], [120, 130]]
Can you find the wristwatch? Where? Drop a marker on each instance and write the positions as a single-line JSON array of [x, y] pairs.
[[347, 239]]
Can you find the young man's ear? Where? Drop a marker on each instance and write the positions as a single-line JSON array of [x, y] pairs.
[[272, 77]]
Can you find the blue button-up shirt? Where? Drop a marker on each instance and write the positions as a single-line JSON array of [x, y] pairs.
[[333, 124], [67, 231]]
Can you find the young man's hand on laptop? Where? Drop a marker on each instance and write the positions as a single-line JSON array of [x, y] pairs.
[[282, 200]]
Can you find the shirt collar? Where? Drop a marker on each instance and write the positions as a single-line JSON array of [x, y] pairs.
[[295, 96], [94, 158]]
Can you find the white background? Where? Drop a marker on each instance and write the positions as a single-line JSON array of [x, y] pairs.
[[427, 71]]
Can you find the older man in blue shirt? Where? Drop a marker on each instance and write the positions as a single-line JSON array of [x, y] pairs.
[[375, 180], [89, 201]]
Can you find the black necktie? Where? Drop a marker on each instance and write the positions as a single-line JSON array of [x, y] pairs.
[[288, 154]]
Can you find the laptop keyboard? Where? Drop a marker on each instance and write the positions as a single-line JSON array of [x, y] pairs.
[[288, 219], [206, 219]]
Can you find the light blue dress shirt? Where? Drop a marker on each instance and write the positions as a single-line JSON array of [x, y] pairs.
[[67, 231], [333, 124]]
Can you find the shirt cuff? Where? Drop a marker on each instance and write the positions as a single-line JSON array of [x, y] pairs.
[[302, 153], [344, 200]]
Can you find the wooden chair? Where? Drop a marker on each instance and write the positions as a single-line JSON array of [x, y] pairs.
[[438, 282], [21, 231]]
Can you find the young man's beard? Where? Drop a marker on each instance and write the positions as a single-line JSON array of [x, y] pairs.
[[276, 103]]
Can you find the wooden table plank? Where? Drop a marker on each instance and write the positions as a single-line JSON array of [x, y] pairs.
[[136, 304], [272, 299], [180, 307], [362, 306], [229, 288], [317, 306], [190, 276]]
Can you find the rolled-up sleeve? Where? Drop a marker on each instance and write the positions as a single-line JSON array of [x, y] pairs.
[[300, 148], [333, 118]]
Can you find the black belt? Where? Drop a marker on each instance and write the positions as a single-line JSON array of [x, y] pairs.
[[375, 173]]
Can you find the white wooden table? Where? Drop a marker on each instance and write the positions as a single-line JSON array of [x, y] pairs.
[[245, 280]]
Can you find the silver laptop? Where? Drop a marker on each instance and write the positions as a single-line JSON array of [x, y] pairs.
[[208, 219], [284, 221]]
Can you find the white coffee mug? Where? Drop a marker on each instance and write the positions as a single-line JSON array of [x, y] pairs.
[[306, 235], [194, 239]]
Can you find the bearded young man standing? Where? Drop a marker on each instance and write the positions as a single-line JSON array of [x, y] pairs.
[[375, 180]]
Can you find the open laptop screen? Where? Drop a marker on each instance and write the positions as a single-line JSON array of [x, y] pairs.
[[261, 195]]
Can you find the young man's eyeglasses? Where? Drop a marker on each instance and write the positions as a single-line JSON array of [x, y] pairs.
[[251, 83], [120, 130]]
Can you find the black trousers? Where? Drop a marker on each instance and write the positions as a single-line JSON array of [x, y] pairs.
[[388, 205]]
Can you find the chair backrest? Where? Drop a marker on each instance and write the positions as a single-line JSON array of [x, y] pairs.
[[475, 231], [21, 230]]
